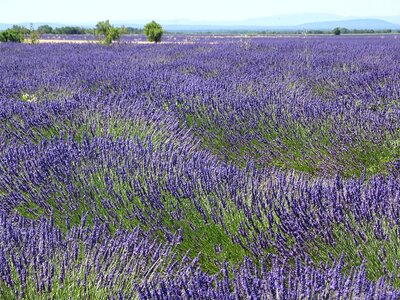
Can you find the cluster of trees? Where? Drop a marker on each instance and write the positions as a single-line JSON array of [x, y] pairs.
[[106, 32], [342, 30], [337, 31], [313, 31], [109, 33], [17, 33], [46, 29]]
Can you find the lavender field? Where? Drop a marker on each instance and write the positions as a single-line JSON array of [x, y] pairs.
[[264, 168]]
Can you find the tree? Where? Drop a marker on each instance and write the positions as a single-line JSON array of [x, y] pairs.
[[70, 30], [153, 31], [103, 27], [344, 30], [113, 35], [21, 29], [336, 31], [132, 30], [109, 32], [45, 29], [11, 35]]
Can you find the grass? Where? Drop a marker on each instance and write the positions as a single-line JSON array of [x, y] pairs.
[[96, 197], [312, 150], [80, 280], [296, 149], [379, 256]]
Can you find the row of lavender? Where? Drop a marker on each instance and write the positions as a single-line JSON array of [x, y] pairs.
[[141, 38], [321, 106], [90, 264], [200, 171], [278, 219]]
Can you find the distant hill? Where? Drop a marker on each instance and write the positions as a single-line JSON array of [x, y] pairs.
[[292, 20], [376, 24], [280, 22]]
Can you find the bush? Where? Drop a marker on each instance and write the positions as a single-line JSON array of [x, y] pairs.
[[112, 35], [11, 35], [336, 31], [45, 29], [109, 32], [153, 31]]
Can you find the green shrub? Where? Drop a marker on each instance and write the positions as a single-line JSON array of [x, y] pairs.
[[108, 31], [153, 31], [11, 35], [336, 31]]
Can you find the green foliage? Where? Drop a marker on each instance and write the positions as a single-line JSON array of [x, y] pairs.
[[21, 29], [10, 35], [132, 30], [34, 36], [112, 35], [102, 27], [153, 31], [45, 29], [108, 31], [336, 31], [379, 255], [344, 30], [28, 97], [71, 30]]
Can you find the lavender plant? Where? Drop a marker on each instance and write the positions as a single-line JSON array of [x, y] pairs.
[[200, 169]]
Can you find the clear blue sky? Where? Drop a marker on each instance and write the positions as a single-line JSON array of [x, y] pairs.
[[78, 11]]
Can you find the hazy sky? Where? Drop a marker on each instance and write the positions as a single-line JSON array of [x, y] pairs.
[[70, 11]]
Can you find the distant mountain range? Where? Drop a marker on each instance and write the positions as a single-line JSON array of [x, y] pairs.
[[281, 22], [376, 24]]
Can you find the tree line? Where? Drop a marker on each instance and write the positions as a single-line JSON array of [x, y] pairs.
[[104, 30], [107, 33], [335, 31], [47, 29]]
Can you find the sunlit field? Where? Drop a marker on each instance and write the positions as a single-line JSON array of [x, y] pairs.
[[201, 168]]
